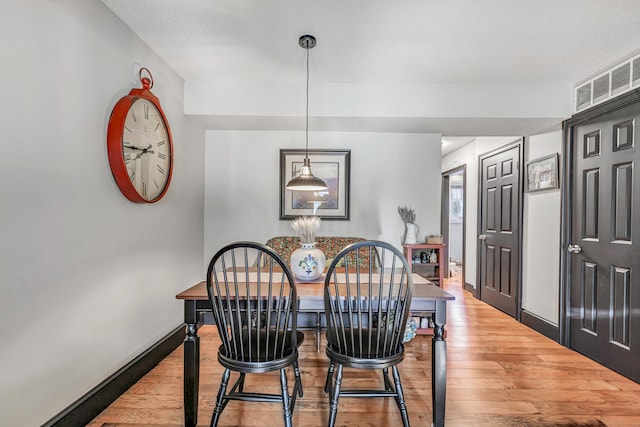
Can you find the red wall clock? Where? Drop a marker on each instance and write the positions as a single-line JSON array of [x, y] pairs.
[[139, 144]]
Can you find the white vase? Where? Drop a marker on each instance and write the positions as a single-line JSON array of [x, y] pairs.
[[307, 262], [411, 237]]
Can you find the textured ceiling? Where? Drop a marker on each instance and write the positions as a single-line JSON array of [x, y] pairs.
[[424, 41], [375, 41]]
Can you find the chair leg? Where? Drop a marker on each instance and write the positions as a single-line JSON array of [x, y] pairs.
[[385, 378], [329, 380], [286, 408], [241, 383], [400, 399], [220, 400], [318, 331], [296, 373], [335, 395]]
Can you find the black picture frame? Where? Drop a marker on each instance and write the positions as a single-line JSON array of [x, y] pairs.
[[543, 173], [333, 166]]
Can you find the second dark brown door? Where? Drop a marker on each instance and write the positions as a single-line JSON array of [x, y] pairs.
[[499, 228]]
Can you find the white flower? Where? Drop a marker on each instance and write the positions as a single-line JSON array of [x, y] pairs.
[[306, 227]]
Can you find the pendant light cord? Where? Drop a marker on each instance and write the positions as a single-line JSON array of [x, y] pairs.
[[306, 130], [305, 180]]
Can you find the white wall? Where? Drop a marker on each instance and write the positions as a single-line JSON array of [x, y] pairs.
[[455, 240], [456, 231], [467, 155], [87, 279], [387, 170], [541, 238], [498, 100]]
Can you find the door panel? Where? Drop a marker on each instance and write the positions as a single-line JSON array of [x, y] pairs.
[[499, 215], [605, 222]]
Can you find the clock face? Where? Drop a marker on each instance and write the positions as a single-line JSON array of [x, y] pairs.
[[146, 149]]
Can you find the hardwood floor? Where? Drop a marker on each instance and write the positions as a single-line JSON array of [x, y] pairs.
[[500, 373]]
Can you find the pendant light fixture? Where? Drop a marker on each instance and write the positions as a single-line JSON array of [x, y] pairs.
[[306, 181]]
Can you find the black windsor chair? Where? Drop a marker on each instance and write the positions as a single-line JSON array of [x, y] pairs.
[[367, 310], [255, 311]]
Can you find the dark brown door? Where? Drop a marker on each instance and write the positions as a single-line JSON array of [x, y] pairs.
[[499, 228], [604, 321]]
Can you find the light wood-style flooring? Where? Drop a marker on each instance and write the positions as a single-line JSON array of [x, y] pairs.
[[500, 373]]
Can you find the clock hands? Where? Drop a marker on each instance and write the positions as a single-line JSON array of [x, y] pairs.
[[142, 150], [141, 153], [136, 147]]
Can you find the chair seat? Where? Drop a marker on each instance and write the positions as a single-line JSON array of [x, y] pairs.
[[242, 357], [364, 352]]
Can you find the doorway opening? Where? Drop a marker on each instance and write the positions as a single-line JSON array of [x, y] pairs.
[[453, 220]]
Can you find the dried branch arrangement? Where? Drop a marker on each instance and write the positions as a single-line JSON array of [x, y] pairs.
[[306, 227], [407, 214]]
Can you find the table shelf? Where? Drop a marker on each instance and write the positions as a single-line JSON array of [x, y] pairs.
[[431, 271]]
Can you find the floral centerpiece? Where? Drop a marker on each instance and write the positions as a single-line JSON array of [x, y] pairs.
[[307, 262], [408, 216]]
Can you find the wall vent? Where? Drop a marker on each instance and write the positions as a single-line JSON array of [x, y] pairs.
[[583, 96], [621, 79], [635, 80], [617, 80]]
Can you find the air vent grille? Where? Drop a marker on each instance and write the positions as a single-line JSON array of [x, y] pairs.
[[622, 78], [583, 96], [601, 88]]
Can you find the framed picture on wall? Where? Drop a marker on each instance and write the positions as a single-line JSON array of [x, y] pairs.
[[330, 165], [542, 173]]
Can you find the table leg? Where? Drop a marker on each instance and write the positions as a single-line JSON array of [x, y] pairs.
[[439, 364], [318, 331], [191, 364]]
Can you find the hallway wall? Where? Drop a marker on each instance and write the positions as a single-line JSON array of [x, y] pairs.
[[541, 237], [541, 224]]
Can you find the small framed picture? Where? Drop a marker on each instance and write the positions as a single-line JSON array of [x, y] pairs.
[[330, 165], [542, 173]]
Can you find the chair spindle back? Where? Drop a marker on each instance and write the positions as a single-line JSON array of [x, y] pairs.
[[255, 309], [367, 308]]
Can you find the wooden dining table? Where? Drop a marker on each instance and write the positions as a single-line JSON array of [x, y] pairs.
[[427, 298]]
